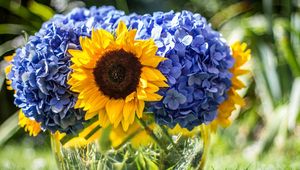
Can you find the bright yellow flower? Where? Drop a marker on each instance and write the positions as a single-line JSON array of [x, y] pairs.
[[115, 75], [30, 126], [241, 55], [183, 131], [75, 142], [7, 70], [138, 136], [88, 135]]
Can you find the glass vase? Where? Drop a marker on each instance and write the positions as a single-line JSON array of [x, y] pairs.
[[155, 148]]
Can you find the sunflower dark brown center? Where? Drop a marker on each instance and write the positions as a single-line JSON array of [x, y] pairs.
[[117, 73]]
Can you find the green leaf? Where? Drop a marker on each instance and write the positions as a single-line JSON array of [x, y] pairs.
[[118, 165], [122, 5], [9, 128], [141, 161], [41, 10], [228, 13], [294, 108], [2, 74], [268, 10], [150, 164], [13, 28], [22, 12], [285, 48], [262, 87], [5, 47], [269, 66], [9, 45]]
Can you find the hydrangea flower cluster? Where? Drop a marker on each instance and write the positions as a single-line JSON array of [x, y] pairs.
[[197, 68], [40, 69]]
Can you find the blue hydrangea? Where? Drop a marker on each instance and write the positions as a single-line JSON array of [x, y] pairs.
[[197, 68], [41, 68]]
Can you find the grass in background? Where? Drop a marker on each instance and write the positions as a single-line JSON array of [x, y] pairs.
[[266, 133], [225, 154], [28, 153]]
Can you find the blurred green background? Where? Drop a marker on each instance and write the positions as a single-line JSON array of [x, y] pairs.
[[265, 133]]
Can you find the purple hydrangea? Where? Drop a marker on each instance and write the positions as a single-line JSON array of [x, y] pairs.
[[40, 69], [197, 68]]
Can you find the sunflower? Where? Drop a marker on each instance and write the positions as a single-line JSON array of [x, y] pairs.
[[241, 55], [7, 70], [30, 126], [177, 130], [114, 75]]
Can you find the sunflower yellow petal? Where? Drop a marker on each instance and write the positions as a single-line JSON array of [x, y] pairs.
[[150, 49], [152, 61], [140, 108], [100, 103], [84, 93], [88, 97], [238, 99], [238, 84], [125, 125], [88, 47], [89, 115], [130, 97], [113, 109], [118, 119], [143, 83], [121, 28], [241, 56], [128, 110], [160, 83], [30, 126], [79, 76], [92, 100], [153, 97], [102, 38], [103, 119], [238, 72], [152, 74], [78, 54], [77, 104], [151, 88], [141, 94], [76, 142]]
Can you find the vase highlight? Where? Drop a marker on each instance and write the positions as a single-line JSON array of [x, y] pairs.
[[158, 148]]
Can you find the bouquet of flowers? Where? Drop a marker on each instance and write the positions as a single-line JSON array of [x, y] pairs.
[[123, 91]]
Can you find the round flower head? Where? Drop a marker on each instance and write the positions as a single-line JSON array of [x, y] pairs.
[[197, 67], [40, 69], [241, 55], [7, 70], [30, 126], [114, 76]]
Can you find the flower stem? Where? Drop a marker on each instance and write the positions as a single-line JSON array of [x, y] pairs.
[[150, 133], [166, 133], [205, 132], [132, 135]]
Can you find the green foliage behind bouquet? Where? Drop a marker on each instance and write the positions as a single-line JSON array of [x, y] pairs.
[[269, 124]]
